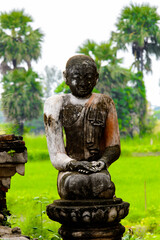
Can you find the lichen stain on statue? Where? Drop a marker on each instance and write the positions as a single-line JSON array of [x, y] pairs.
[[92, 134]]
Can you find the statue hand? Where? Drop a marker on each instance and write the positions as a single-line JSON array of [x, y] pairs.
[[85, 166], [80, 166], [97, 166], [74, 165], [91, 167]]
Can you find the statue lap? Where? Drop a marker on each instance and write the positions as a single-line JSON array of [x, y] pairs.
[[74, 185]]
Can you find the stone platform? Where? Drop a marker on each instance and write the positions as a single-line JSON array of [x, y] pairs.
[[13, 156], [7, 233], [89, 219]]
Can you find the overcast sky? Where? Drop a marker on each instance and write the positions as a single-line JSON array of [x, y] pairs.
[[66, 24]]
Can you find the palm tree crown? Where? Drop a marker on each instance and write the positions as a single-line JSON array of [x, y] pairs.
[[18, 41], [138, 26]]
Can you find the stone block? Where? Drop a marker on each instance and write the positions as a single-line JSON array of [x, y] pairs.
[[13, 157], [7, 233]]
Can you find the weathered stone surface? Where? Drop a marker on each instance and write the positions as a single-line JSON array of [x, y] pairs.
[[88, 213], [13, 156], [89, 209], [12, 142], [6, 157], [14, 238], [5, 182], [1, 217], [113, 232], [20, 168], [7, 171], [7, 233], [89, 219], [16, 230], [10, 137]]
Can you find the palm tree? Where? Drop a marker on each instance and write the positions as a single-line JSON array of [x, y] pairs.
[[18, 41], [138, 26], [19, 44], [115, 80], [103, 52], [21, 98]]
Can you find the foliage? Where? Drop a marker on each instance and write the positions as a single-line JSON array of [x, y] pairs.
[[63, 87], [157, 114], [2, 118], [128, 173], [37, 147], [21, 99], [52, 78], [18, 41], [147, 145], [103, 52], [126, 88], [128, 92], [36, 125], [19, 45], [138, 26]]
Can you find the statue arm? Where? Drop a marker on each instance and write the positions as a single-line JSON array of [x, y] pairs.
[[111, 137], [54, 133]]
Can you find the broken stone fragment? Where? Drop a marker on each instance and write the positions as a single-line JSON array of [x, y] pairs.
[[20, 169], [13, 157], [12, 143], [17, 145], [1, 217], [5, 182], [7, 170], [7, 233], [10, 137], [16, 230]]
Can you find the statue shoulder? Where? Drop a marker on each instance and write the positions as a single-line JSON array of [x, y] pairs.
[[53, 105], [105, 100]]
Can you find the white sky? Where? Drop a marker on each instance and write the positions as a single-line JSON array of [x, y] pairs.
[[68, 23]]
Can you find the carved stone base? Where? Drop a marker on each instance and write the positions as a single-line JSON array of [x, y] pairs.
[[89, 219], [108, 233]]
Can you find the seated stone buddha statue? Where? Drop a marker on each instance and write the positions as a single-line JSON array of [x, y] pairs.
[[92, 142]]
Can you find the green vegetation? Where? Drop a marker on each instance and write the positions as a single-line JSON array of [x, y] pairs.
[[21, 98], [29, 195], [146, 145], [138, 26], [136, 173], [19, 45]]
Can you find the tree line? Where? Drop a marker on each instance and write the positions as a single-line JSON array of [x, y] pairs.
[[136, 28], [22, 98]]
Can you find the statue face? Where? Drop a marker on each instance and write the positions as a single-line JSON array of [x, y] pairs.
[[81, 80]]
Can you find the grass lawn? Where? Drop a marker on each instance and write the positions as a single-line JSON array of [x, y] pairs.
[[128, 174], [30, 194]]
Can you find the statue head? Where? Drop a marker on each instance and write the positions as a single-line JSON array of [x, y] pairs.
[[81, 75]]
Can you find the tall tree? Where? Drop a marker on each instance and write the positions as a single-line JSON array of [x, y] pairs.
[[138, 27], [125, 87], [21, 98], [19, 45], [102, 53]]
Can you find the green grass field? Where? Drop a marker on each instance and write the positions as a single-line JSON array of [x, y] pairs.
[[30, 194]]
